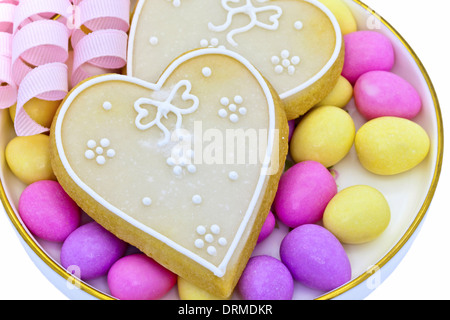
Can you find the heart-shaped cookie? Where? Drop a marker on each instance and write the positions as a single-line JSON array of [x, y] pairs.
[[185, 168], [295, 44]]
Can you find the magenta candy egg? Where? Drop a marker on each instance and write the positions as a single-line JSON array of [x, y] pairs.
[[91, 250], [267, 227], [366, 51], [138, 277], [384, 94], [315, 258], [266, 278], [303, 193], [48, 212]]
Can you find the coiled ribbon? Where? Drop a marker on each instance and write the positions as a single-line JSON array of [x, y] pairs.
[[41, 65]]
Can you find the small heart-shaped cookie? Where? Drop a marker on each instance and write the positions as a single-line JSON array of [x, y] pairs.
[[295, 44], [185, 169]]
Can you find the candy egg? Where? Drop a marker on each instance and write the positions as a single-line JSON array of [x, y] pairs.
[[48, 212], [91, 250], [188, 291], [382, 93], [343, 15], [357, 215], [29, 158], [391, 145], [267, 227], [315, 258], [266, 278], [366, 51], [303, 193], [325, 135], [138, 277], [340, 96], [41, 111]]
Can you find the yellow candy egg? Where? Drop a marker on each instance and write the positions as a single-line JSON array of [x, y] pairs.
[[343, 15], [41, 111], [325, 135], [340, 96], [391, 145], [29, 158], [357, 215], [188, 291]]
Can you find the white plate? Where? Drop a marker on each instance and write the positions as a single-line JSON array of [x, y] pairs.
[[408, 194]]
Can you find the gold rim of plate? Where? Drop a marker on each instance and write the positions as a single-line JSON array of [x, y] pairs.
[[328, 296]]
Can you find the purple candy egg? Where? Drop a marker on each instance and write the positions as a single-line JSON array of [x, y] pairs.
[[385, 94], [266, 278], [138, 277], [91, 250], [48, 211], [267, 227], [291, 128], [315, 258], [303, 194], [366, 51]]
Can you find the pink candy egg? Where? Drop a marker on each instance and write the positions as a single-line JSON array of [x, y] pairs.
[[138, 277], [48, 212], [267, 227], [266, 278], [315, 258], [303, 193], [91, 250], [382, 93], [366, 51]]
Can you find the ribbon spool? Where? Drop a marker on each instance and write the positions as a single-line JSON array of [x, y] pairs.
[[40, 51]]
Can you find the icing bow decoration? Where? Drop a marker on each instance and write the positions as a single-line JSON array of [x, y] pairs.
[[40, 62], [164, 108], [249, 9]]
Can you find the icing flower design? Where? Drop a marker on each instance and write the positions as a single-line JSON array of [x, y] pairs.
[[249, 9], [208, 238], [285, 62], [96, 152], [232, 108], [164, 108]]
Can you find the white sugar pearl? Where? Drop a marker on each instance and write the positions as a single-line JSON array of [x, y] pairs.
[[203, 43], [209, 238], [279, 69], [201, 230], [206, 72], [191, 168], [214, 42], [222, 241], [298, 25], [170, 161], [197, 199], [232, 107], [101, 160], [211, 251], [286, 63], [199, 243], [238, 99], [291, 70], [178, 170], [89, 154], [107, 105], [215, 229], [111, 153], [285, 54], [275, 60], [224, 101], [243, 111], [147, 201], [295, 60], [99, 150], [223, 113], [234, 118], [233, 175], [91, 144], [154, 41], [105, 143]]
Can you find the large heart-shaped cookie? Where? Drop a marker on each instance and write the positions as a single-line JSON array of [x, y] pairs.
[[185, 168], [296, 44]]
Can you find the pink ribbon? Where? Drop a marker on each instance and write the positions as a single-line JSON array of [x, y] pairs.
[[34, 59]]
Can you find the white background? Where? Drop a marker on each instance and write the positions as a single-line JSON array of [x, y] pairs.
[[423, 273]]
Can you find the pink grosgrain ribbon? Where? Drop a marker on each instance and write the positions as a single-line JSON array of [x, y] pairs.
[[8, 89], [40, 48]]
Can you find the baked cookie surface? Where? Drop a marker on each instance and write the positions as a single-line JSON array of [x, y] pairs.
[[296, 44], [185, 168]]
